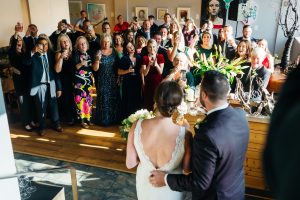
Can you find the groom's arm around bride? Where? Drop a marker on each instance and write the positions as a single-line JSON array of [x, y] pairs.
[[218, 148]]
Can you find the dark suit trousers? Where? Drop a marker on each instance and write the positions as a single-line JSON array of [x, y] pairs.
[[26, 104], [43, 99]]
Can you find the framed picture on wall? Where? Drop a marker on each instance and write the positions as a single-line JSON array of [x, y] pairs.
[[183, 14], [141, 13], [96, 12], [74, 8], [160, 12]]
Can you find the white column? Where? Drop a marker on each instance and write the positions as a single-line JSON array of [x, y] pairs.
[[9, 188]]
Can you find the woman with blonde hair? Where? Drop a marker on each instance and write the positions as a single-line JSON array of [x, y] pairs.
[[64, 67], [151, 69], [83, 82], [269, 59]]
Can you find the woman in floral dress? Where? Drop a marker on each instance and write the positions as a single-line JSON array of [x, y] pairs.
[[83, 81]]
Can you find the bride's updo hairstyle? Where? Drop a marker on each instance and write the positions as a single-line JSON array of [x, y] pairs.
[[168, 96]]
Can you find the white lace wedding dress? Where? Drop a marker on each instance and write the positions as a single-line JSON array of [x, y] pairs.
[[145, 191]]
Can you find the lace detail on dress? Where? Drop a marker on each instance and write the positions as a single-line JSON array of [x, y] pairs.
[[177, 153]]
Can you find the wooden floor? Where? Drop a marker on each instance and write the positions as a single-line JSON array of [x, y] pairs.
[[97, 146]]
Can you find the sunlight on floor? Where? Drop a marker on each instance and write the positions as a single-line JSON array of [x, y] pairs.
[[93, 146], [19, 136], [45, 140], [95, 133]]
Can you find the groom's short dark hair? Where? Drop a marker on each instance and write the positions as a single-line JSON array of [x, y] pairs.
[[215, 85]]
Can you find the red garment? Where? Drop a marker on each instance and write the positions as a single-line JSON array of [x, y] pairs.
[[121, 28], [266, 62], [152, 80]]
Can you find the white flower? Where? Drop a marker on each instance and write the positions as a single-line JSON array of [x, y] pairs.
[[182, 108]]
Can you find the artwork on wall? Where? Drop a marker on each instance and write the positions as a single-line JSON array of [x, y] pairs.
[[96, 12], [247, 12], [183, 14], [215, 11], [141, 13], [74, 8], [160, 12]]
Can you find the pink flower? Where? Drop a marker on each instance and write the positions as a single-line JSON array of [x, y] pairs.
[[77, 99], [85, 108], [83, 94], [81, 72]]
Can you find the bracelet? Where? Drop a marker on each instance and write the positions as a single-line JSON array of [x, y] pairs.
[[186, 173]]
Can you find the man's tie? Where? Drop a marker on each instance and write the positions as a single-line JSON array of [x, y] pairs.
[[46, 67]]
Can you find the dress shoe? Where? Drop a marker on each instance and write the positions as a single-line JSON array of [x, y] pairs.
[[41, 132], [84, 125], [58, 128], [89, 123], [28, 128]]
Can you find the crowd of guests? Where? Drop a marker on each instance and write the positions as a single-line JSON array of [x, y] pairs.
[[125, 64]]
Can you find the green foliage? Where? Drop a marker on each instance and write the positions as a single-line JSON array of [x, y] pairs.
[[219, 63]]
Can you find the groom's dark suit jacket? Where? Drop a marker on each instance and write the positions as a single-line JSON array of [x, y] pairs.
[[218, 154]]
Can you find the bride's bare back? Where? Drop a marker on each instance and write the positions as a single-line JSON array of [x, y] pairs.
[[158, 138]]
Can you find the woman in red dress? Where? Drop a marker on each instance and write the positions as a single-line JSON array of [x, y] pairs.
[[151, 70]]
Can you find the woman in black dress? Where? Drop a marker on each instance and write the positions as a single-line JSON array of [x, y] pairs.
[[21, 79], [129, 70], [64, 66]]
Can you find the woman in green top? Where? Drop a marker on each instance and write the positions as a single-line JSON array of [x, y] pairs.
[[205, 48]]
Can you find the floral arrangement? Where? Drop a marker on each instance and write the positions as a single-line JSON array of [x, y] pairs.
[[127, 123], [219, 63]]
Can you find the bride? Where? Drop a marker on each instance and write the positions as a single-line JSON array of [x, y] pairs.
[[158, 143]]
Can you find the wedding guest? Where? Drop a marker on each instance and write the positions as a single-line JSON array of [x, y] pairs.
[[44, 84], [21, 79], [64, 66], [158, 143], [205, 48], [151, 69], [79, 23], [129, 70], [83, 82], [268, 62], [167, 21], [247, 35], [243, 50], [121, 26], [118, 45], [108, 96], [129, 37], [154, 27], [141, 42], [259, 72], [30, 37]]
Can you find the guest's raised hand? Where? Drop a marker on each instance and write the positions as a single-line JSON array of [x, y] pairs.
[[157, 178]]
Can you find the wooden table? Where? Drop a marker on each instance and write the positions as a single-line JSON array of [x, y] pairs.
[[253, 162], [276, 82]]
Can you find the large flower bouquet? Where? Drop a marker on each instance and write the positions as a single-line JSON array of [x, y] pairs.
[[127, 123], [219, 63]]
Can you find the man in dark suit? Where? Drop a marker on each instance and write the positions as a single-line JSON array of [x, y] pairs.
[[145, 31], [30, 37], [258, 71], [219, 148], [43, 86], [247, 35]]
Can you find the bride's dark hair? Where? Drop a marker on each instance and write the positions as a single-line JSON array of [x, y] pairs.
[[168, 96]]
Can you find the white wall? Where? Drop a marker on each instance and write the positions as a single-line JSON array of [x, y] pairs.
[[9, 188], [12, 11], [46, 14]]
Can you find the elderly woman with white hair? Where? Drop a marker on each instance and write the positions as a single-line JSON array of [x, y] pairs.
[[180, 71], [259, 71]]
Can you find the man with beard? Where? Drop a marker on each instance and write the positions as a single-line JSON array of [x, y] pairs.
[[218, 150]]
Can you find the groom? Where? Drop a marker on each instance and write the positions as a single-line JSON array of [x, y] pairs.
[[219, 148]]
